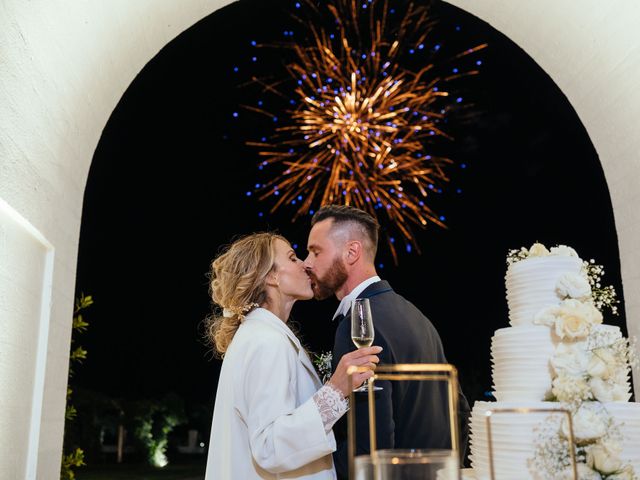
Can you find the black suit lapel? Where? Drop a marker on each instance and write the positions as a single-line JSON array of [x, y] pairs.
[[371, 291]]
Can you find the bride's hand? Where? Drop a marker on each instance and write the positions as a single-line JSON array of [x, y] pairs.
[[363, 357]]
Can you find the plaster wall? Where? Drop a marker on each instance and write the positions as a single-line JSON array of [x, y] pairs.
[[63, 67]]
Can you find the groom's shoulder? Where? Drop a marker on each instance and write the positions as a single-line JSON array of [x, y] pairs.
[[394, 304], [382, 294]]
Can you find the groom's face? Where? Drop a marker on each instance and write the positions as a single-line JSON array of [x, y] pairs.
[[324, 264]]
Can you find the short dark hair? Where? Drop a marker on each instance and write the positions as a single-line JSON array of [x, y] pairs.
[[347, 214]]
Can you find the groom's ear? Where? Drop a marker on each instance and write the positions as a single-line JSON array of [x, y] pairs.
[[353, 252]]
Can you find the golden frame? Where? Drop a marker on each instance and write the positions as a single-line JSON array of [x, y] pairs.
[[401, 371], [525, 411]]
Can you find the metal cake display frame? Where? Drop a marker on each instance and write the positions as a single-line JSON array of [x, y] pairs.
[[402, 372]]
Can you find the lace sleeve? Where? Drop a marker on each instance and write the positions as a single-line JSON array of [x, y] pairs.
[[331, 405]]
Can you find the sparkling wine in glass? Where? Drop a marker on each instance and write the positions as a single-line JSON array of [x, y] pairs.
[[362, 332], [362, 342]]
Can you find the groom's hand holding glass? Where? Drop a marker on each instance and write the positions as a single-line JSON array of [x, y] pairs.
[[363, 357]]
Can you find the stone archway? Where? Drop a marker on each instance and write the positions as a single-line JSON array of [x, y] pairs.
[[64, 70]]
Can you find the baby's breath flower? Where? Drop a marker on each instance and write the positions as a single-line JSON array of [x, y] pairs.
[[515, 255], [603, 297], [322, 362]]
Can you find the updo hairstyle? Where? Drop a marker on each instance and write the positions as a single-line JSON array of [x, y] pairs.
[[237, 284]]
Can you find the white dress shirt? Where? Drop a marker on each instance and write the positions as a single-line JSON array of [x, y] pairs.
[[345, 303]]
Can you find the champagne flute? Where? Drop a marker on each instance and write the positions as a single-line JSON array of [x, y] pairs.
[[362, 332]]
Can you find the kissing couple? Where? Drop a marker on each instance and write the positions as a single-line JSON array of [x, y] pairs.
[[273, 418]]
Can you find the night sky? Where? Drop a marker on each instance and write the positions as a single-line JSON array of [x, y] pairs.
[[168, 182]]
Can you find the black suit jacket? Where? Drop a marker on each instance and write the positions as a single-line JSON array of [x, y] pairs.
[[409, 414]]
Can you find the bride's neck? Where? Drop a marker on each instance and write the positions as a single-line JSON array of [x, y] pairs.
[[279, 306]]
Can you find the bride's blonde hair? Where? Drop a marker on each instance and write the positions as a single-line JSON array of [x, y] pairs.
[[237, 284]]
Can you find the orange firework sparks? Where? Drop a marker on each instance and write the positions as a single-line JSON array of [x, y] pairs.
[[362, 124]]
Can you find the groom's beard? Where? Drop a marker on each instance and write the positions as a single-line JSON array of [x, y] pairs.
[[334, 279]]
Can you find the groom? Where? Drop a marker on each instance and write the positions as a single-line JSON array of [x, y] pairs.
[[342, 248]]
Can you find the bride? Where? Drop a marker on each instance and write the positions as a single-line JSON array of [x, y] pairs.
[[272, 416]]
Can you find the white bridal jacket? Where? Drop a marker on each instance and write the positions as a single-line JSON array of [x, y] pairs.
[[266, 424]]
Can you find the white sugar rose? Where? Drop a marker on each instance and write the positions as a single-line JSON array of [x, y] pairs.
[[574, 319], [625, 474], [538, 250], [604, 457], [572, 285], [563, 251], [620, 392], [584, 473], [602, 363], [601, 390], [610, 391], [571, 359], [588, 424]]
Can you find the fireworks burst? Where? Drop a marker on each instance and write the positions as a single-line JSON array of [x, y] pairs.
[[362, 123]]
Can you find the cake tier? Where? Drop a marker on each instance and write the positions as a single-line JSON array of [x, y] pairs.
[[531, 285], [520, 356], [514, 437]]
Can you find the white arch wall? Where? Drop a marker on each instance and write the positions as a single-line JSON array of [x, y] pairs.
[[64, 65]]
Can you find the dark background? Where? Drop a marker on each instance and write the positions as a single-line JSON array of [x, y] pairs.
[[168, 182]]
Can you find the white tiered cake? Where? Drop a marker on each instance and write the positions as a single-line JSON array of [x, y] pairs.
[[556, 349]]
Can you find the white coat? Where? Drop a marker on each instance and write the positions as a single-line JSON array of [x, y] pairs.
[[265, 422]]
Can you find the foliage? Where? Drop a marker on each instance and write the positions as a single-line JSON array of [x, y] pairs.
[[71, 461], [75, 457], [153, 422], [322, 362]]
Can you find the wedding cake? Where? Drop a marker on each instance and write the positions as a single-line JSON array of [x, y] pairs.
[[558, 354]]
